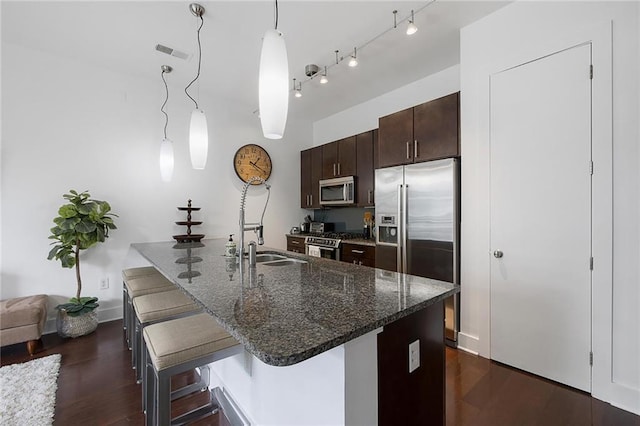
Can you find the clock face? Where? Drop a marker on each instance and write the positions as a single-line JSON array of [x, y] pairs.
[[252, 160]]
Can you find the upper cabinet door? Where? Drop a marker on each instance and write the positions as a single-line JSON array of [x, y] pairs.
[[395, 139], [305, 179], [436, 128], [364, 165], [329, 160], [339, 158], [316, 175], [347, 156]]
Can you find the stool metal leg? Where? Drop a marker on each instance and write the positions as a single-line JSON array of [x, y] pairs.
[[124, 307], [163, 398]]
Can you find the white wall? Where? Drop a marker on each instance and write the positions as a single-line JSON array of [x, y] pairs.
[[67, 124], [364, 117], [520, 32]]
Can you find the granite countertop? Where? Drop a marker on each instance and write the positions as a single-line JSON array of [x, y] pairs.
[[286, 314]]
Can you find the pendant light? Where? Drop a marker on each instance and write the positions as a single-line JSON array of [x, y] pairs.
[[273, 83], [166, 146], [198, 132]]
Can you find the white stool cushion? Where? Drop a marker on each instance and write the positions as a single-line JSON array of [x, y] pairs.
[[138, 272], [147, 285], [181, 340], [156, 306]]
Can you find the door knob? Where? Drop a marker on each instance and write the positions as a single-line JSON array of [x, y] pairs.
[[498, 254]]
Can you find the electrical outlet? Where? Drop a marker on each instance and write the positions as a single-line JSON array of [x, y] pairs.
[[414, 356], [104, 283]]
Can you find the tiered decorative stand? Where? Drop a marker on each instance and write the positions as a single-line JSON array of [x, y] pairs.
[[188, 237]]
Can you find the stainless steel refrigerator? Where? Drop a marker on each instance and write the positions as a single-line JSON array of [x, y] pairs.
[[418, 225]]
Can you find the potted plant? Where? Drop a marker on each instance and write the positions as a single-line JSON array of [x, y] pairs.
[[81, 223]]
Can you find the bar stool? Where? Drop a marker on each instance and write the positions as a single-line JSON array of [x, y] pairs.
[[153, 308], [141, 286], [176, 346], [128, 274]]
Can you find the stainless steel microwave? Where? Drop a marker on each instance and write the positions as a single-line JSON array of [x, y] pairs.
[[338, 191]]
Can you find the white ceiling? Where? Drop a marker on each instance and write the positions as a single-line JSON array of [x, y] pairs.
[[122, 35]]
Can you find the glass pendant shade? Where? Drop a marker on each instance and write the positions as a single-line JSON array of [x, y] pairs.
[[166, 160], [273, 85], [198, 139], [411, 28]]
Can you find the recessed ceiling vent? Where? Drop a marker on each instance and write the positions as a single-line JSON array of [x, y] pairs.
[[172, 52]]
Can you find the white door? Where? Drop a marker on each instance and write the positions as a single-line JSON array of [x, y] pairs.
[[541, 217]]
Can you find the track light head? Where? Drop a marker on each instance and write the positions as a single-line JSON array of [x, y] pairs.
[[411, 28], [353, 61]]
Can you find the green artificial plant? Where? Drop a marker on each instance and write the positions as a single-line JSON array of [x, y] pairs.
[[81, 223]]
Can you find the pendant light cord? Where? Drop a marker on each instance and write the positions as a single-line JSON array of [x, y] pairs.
[[199, 63], [276, 12], [166, 116]]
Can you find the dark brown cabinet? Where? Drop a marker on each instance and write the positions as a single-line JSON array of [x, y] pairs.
[[310, 175], [339, 158], [295, 244], [365, 149], [358, 254], [429, 131]]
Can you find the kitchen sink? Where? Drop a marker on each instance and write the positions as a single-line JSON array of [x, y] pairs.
[[274, 259], [285, 262], [269, 257]]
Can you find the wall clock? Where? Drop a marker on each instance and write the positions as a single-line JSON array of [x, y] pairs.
[[252, 160]]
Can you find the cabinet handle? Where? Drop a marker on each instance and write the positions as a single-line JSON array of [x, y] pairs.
[[311, 198], [357, 251], [415, 148], [408, 156], [369, 196], [295, 242], [338, 169], [334, 169]]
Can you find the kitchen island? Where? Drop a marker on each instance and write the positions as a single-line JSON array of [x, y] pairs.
[[313, 329]]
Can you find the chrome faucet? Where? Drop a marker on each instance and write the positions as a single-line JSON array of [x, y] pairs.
[[257, 227]]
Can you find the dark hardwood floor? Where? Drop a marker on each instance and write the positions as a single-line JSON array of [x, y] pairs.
[[96, 387]]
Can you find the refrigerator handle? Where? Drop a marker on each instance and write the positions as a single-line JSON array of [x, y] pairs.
[[399, 247], [403, 224]]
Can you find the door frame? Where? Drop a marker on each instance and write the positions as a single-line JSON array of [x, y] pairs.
[[600, 37]]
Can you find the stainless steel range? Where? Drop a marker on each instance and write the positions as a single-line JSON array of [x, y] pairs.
[[321, 246], [327, 244]]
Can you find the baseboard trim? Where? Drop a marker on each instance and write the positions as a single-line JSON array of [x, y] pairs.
[[104, 315], [625, 398], [468, 343]]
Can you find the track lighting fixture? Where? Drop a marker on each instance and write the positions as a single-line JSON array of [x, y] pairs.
[[323, 78], [198, 132], [411, 27], [352, 58], [353, 61], [166, 146], [273, 83]]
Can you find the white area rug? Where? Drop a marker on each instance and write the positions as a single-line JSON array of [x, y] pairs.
[[28, 391]]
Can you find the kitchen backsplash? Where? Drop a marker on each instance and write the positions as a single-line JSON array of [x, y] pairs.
[[346, 219]]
